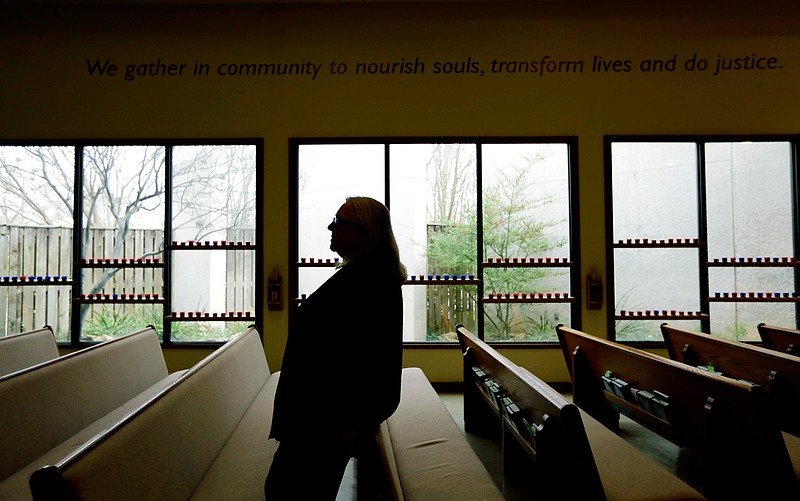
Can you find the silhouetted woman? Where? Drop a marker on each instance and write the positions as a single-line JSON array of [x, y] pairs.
[[340, 376]]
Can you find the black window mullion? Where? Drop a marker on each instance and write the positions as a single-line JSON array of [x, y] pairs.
[[610, 292], [795, 176], [702, 234], [479, 237], [293, 288], [166, 274], [386, 174], [77, 246], [576, 310]]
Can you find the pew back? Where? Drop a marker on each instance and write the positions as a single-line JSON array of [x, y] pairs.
[[728, 422], [780, 338], [26, 349], [778, 372], [50, 402], [551, 437]]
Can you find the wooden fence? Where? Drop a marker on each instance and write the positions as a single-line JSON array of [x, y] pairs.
[[37, 252], [48, 252], [448, 306], [240, 281]]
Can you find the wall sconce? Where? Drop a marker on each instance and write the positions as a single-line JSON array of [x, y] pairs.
[[594, 290], [275, 290]]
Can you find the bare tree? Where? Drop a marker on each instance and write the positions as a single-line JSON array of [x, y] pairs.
[[451, 175], [214, 189], [116, 189], [37, 186]]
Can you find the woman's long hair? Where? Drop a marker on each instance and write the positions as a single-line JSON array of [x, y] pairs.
[[380, 245]]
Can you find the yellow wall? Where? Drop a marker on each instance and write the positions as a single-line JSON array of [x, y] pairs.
[[47, 91]]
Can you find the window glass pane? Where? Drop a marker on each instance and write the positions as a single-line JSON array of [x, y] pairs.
[[525, 200], [37, 185], [445, 307], [123, 188], [36, 207], [751, 280], [310, 278], [100, 276], [213, 202], [526, 215], [206, 331], [748, 187], [433, 208], [749, 194], [739, 319], [104, 321], [29, 307], [524, 321], [509, 320], [649, 330], [212, 283], [123, 218], [654, 190], [327, 175], [655, 279], [214, 193], [655, 201]]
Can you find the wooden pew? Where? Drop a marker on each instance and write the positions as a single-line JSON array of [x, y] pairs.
[[563, 451], [52, 408], [727, 422], [203, 437], [559, 453], [780, 338], [778, 372], [26, 349]]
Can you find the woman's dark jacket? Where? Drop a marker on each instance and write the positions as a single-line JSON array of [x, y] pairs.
[[343, 359]]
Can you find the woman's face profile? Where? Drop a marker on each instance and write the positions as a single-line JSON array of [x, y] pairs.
[[347, 235]]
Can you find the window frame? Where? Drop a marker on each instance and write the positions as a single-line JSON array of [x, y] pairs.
[[77, 227], [700, 142], [571, 142]]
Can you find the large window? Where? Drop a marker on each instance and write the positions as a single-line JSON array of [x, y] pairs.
[[100, 240], [483, 227], [703, 235]]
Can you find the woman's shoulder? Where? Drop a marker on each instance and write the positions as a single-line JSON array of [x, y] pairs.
[[370, 271]]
